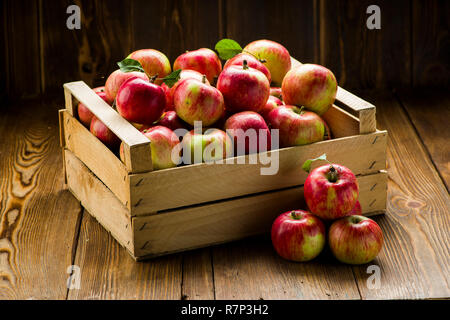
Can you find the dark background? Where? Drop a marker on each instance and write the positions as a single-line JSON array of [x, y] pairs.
[[38, 53]]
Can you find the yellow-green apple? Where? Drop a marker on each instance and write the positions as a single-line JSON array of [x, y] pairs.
[[252, 62], [243, 88], [272, 103], [184, 74], [196, 100], [104, 134], [296, 126], [276, 92], [154, 63], [140, 101], [277, 58], [162, 142], [249, 132], [298, 235], [210, 146], [203, 60], [295, 63], [116, 79], [311, 86], [84, 114], [355, 239], [331, 191]]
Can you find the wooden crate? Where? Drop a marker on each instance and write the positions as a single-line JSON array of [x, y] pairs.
[[153, 213]]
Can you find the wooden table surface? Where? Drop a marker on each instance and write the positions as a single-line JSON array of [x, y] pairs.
[[44, 230]]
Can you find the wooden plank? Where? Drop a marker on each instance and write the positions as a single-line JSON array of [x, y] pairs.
[[89, 54], [183, 186], [38, 220], [22, 46], [105, 164], [341, 123], [198, 282], [414, 263], [108, 272], [430, 43], [276, 22], [184, 24], [4, 80], [363, 58], [432, 126], [229, 220], [101, 203]]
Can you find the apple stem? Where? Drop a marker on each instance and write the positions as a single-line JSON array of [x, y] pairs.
[[153, 78], [332, 175], [257, 57], [204, 78], [295, 215], [245, 64]]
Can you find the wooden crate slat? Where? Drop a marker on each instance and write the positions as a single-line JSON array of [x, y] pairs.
[[183, 186], [228, 220]]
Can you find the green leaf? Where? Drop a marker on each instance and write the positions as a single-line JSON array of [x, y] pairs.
[[307, 165], [130, 65], [227, 48], [172, 78]]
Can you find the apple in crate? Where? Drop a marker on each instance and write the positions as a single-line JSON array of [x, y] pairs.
[[276, 92], [252, 62], [211, 145], [84, 114], [171, 120], [153, 61], [243, 88], [196, 100], [331, 191], [140, 101], [272, 103], [115, 81], [104, 134], [297, 126], [355, 239], [242, 127], [277, 58], [311, 86], [298, 235], [203, 60], [162, 144]]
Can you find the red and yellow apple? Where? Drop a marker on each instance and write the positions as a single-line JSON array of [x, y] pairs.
[[171, 120], [311, 86], [203, 60], [162, 142], [355, 239], [252, 62], [115, 81], [298, 235], [272, 103], [104, 134], [276, 92], [210, 146], [154, 62], [331, 191], [84, 114]]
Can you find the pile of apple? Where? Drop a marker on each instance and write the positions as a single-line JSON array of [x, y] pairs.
[[260, 87], [331, 194]]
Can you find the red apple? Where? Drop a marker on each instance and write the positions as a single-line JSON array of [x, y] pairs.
[[272, 103], [170, 120], [203, 60], [153, 61], [356, 211], [327, 133], [247, 128], [297, 127], [276, 92], [331, 191], [84, 114], [102, 132], [198, 101], [116, 79], [278, 60], [243, 88], [140, 101], [298, 235], [163, 141], [252, 62], [184, 74], [355, 239], [311, 86], [211, 145]]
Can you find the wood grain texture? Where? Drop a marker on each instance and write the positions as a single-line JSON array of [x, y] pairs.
[[38, 219], [431, 43], [432, 125], [291, 23], [89, 54], [175, 26], [4, 80], [108, 271], [365, 58], [198, 282], [415, 260]]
